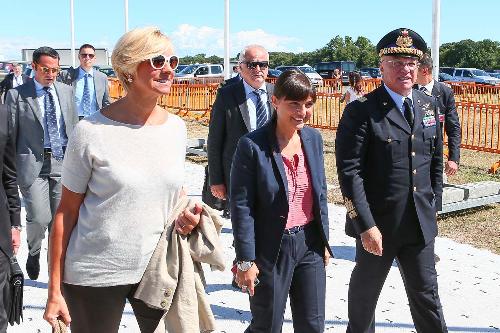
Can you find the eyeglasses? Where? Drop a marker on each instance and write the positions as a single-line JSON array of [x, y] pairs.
[[254, 64], [398, 64], [159, 61], [87, 55], [47, 70]]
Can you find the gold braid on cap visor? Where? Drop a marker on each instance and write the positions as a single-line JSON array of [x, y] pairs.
[[400, 50]]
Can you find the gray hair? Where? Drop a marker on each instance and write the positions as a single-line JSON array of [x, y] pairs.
[[247, 48], [425, 62]]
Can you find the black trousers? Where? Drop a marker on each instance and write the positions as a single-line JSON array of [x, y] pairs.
[[300, 273], [417, 267], [4, 291], [100, 309]]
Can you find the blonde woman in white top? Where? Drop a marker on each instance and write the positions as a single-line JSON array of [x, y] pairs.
[[122, 175]]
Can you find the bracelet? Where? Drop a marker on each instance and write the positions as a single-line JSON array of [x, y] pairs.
[[17, 227]]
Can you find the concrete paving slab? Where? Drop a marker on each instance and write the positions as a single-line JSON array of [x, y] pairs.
[[480, 189], [453, 194], [469, 282]]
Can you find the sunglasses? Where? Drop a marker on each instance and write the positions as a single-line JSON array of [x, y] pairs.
[[254, 64], [87, 55], [47, 70], [159, 61]]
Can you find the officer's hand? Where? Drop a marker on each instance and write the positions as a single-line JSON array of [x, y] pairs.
[[326, 258], [16, 240], [372, 241], [219, 191], [246, 280], [450, 168]]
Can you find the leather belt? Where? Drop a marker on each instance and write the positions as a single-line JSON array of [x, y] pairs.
[[297, 229]]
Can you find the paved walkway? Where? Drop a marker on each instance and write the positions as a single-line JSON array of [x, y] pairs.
[[469, 282]]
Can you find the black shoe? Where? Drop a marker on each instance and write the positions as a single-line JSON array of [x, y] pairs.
[[33, 266]]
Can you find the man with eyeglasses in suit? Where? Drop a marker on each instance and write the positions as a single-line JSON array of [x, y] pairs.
[[389, 161], [239, 108], [43, 118], [90, 86]]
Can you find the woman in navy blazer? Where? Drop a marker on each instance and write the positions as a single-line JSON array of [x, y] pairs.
[[279, 213]]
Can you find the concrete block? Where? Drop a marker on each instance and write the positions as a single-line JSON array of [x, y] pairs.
[[453, 194], [480, 189]]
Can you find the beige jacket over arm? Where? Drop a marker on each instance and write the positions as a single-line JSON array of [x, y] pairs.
[[174, 280]]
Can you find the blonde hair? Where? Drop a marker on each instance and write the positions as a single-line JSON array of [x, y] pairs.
[[134, 47]]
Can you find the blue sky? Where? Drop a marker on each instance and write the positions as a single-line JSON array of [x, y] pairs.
[[196, 26]]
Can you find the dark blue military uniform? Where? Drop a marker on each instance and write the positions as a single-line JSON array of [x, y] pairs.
[[391, 177], [390, 174]]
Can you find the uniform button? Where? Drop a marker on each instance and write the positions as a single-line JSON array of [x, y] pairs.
[[414, 189], [168, 292], [412, 153], [414, 171], [163, 304], [413, 136]]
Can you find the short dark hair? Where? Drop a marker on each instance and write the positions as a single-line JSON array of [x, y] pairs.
[[86, 46], [426, 61], [294, 85], [44, 50], [354, 77]]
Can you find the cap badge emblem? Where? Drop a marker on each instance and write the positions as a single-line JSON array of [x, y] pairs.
[[404, 40]]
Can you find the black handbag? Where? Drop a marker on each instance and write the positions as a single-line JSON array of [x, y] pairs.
[[207, 196], [16, 284]]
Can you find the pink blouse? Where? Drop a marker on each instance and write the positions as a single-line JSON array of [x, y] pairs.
[[300, 196]]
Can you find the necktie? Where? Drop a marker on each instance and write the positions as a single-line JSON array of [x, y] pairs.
[[51, 122], [408, 112], [86, 105], [423, 89], [260, 108]]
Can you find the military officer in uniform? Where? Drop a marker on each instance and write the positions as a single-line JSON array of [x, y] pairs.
[[389, 161]]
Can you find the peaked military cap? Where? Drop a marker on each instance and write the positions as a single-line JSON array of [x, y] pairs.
[[403, 42]]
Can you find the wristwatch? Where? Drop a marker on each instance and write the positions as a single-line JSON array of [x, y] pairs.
[[244, 265], [17, 227]]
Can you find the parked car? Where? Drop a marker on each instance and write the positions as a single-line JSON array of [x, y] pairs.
[[494, 74], [180, 68], [200, 71], [325, 69], [373, 71], [365, 75], [315, 78], [474, 75], [274, 73], [445, 77]]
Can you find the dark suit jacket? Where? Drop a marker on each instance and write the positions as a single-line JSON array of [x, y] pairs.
[[229, 121], [10, 205], [28, 126], [7, 83], [446, 103], [381, 163], [101, 85], [259, 193]]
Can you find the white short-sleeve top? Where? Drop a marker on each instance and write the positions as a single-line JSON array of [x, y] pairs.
[[131, 176]]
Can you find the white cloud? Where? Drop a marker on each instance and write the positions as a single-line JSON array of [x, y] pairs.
[[191, 40]]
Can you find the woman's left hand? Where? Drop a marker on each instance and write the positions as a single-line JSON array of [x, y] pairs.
[[188, 220], [326, 258]]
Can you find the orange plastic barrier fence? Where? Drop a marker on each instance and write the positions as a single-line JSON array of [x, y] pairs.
[[480, 124], [475, 93]]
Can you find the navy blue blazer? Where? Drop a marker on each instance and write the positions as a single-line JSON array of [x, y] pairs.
[[259, 193]]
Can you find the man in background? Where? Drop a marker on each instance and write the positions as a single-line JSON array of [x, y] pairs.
[[43, 116], [448, 115], [12, 80], [90, 86]]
